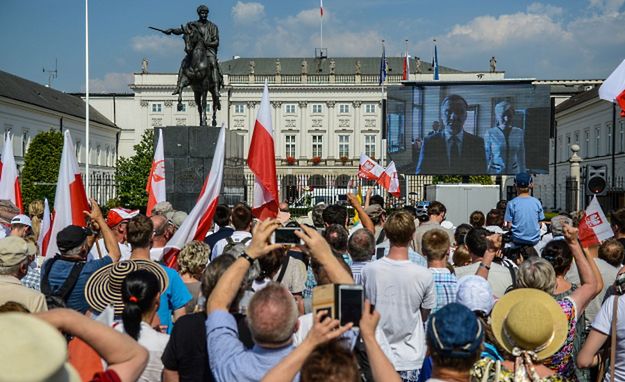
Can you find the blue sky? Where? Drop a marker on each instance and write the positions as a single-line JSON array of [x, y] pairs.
[[567, 39]]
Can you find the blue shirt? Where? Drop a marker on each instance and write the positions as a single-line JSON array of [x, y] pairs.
[[228, 357], [446, 286], [525, 213], [60, 271], [175, 297]]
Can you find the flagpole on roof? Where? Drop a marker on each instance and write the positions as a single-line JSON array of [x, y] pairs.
[[87, 156], [321, 26]]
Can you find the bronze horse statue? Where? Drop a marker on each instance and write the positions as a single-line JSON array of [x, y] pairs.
[[198, 74]]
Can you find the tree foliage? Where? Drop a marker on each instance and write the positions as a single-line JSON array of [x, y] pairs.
[[132, 173], [474, 179], [41, 167]]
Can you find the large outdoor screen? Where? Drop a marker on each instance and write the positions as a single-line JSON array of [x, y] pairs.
[[469, 129]]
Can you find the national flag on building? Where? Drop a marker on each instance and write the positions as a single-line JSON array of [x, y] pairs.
[[435, 63], [45, 229], [262, 161], [613, 88], [70, 199], [197, 224], [368, 168], [9, 181], [156, 181], [593, 226], [406, 72], [383, 65], [389, 180], [321, 7]]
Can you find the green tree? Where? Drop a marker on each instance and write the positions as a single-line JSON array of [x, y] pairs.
[[41, 167], [474, 179], [132, 173]]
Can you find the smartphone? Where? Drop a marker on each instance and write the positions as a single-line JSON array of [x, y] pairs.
[[286, 235], [351, 300]]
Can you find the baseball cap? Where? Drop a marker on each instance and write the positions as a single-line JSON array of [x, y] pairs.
[[522, 179], [118, 215], [22, 219], [475, 293], [71, 237], [454, 332], [176, 217], [374, 211], [14, 250]]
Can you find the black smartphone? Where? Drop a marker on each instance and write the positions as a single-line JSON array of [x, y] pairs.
[[351, 300], [286, 235]]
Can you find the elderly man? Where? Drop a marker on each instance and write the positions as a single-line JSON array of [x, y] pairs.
[[15, 256], [21, 226], [505, 144], [453, 150]]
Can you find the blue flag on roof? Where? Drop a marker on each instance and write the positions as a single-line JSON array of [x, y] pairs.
[[383, 66], [435, 63]]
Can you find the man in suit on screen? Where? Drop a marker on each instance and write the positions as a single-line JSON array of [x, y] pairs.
[[452, 150]]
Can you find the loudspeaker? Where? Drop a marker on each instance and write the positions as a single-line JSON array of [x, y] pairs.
[[597, 179]]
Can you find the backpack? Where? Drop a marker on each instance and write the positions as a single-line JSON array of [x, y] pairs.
[[235, 248], [58, 298]]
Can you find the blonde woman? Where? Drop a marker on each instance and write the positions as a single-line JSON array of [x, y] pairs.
[[192, 261]]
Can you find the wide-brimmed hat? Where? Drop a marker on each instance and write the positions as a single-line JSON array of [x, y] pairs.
[[529, 320], [26, 338], [104, 287]]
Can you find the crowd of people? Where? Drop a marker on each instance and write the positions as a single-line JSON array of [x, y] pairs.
[[505, 296]]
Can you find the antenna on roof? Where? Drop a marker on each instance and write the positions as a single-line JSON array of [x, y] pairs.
[[52, 74]]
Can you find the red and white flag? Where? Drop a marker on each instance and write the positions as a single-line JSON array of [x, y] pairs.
[[9, 182], [197, 224], [156, 180], [321, 7], [594, 227], [262, 161], [389, 180], [45, 229], [368, 168], [613, 88], [406, 73], [70, 199]]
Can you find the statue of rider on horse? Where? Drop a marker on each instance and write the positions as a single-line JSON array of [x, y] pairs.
[[199, 68]]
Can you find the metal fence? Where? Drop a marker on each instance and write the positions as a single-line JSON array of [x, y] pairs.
[[102, 186]]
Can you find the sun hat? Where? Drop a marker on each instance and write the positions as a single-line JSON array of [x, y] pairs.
[[454, 332], [118, 215], [529, 321], [22, 219], [22, 336], [104, 287], [374, 211], [522, 179], [14, 250], [475, 293]]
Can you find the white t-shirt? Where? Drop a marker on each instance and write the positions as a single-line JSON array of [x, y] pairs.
[[499, 277], [399, 289], [603, 324], [155, 343], [237, 236], [124, 249]]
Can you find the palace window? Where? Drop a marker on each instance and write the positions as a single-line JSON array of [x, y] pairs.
[[343, 146], [289, 108], [343, 108], [239, 108], [157, 107], [317, 108], [370, 145], [317, 145], [370, 108], [289, 145]]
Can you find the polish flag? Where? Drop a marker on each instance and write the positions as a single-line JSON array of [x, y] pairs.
[[594, 227], [368, 168], [613, 88], [262, 161], [197, 224], [70, 199], [406, 72], [9, 182], [156, 180], [321, 7], [45, 229], [389, 180]]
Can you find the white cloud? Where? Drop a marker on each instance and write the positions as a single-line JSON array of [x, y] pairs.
[[545, 9], [156, 44], [607, 6], [244, 13], [111, 83], [307, 18]]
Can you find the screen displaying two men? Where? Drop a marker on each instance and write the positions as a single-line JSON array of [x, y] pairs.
[[469, 129]]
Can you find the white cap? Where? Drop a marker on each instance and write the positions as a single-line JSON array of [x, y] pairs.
[[22, 219], [475, 293]]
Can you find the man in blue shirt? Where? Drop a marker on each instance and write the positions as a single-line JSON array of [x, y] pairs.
[[74, 243], [524, 213], [172, 305]]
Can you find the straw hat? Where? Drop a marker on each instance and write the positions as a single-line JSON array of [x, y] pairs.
[[104, 287], [22, 345], [529, 320]]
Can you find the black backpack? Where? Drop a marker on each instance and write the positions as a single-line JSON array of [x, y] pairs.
[[58, 298]]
